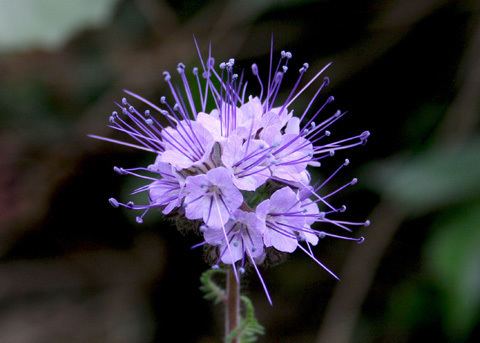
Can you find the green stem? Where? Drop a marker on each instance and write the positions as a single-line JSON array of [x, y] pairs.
[[232, 304]]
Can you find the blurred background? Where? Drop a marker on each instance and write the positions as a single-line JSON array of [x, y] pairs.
[[73, 269]]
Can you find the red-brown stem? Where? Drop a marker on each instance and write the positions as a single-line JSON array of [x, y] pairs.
[[232, 304]]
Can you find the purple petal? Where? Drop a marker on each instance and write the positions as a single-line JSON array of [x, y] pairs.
[[283, 200], [280, 241]]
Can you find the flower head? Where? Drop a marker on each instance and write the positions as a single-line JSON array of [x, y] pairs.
[[240, 167]]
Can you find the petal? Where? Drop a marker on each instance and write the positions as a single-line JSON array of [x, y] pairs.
[[215, 213], [254, 243], [215, 236], [263, 209], [230, 195], [202, 134], [176, 159], [311, 209], [252, 109], [283, 200], [247, 183], [219, 176], [211, 123], [309, 237], [171, 205], [195, 208], [272, 135], [232, 150], [234, 252], [279, 241], [158, 165], [196, 184], [293, 126]]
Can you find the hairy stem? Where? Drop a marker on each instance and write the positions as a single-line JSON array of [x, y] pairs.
[[232, 304]]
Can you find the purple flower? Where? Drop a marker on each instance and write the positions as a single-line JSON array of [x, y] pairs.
[[282, 214], [212, 197], [244, 234], [218, 164], [168, 190]]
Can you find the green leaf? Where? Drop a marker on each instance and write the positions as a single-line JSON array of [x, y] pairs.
[[249, 328], [453, 256], [429, 180], [26, 24], [209, 287]]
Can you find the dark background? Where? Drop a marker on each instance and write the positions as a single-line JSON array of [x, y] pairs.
[[73, 269]]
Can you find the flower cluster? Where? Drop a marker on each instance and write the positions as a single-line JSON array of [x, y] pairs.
[[240, 167]]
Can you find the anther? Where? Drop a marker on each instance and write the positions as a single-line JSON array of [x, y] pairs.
[[241, 270], [222, 65], [113, 202], [129, 204], [163, 99], [254, 69], [215, 267], [166, 76], [321, 234], [284, 68], [124, 101], [326, 80], [354, 181], [195, 71], [147, 113], [365, 135], [119, 170], [139, 220], [330, 99], [283, 53], [234, 76], [131, 109], [211, 62], [367, 223], [347, 162], [149, 121], [342, 208], [288, 54], [176, 107], [327, 133], [360, 240]]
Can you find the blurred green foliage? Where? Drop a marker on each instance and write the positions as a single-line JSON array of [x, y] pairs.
[[431, 179], [452, 257], [47, 24]]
